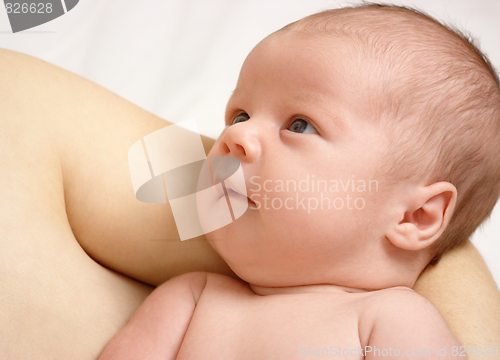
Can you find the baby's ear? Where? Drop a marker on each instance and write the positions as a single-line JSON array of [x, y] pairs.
[[428, 212]]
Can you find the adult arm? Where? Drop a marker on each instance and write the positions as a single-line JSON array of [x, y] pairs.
[[70, 225], [89, 131], [463, 290]]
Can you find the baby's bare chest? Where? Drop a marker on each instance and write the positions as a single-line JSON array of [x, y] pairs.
[[242, 325]]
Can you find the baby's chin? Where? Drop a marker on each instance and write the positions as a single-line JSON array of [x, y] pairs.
[[266, 267], [254, 270]]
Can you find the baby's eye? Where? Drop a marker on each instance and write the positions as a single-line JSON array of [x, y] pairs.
[[240, 118], [302, 126]]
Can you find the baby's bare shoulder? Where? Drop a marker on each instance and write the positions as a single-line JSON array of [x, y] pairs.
[[399, 297], [400, 313], [399, 303]]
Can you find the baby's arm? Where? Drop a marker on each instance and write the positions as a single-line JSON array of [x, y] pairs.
[[157, 328], [408, 325]]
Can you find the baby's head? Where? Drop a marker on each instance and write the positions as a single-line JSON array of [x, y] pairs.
[[391, 124]]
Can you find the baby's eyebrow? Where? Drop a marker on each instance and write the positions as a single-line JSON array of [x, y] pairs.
[[232, 94], [317, 98], [229, 98], [308, 97], [227, 103], [235, 92]]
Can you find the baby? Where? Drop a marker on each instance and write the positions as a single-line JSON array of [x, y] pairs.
[[372, 95]]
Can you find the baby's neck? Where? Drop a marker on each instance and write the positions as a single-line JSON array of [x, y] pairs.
[[263, 290]]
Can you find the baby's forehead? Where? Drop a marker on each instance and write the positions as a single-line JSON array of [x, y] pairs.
[[406, 52], [364, 20], [406, 62], [383, 32]]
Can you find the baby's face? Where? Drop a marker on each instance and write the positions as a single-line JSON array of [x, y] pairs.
[[310, 157]]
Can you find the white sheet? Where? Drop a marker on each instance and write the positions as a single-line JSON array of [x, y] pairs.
[[180, 59]]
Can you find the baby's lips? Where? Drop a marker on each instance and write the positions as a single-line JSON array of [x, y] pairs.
[[237, 184], [228, 171], [225, 171]]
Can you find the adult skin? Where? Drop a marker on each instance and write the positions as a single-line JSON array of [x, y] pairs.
[[73, 235]]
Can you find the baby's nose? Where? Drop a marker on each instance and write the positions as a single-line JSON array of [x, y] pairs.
[[241, 141]]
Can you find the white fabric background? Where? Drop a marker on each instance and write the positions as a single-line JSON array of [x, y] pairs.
[[180, 58]]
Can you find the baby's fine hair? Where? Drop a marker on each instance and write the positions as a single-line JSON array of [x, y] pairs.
[[437, 95]]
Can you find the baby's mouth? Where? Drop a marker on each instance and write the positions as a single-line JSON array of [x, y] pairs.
[[237, 193], [234, 192], [228, 172], [250, 201]]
